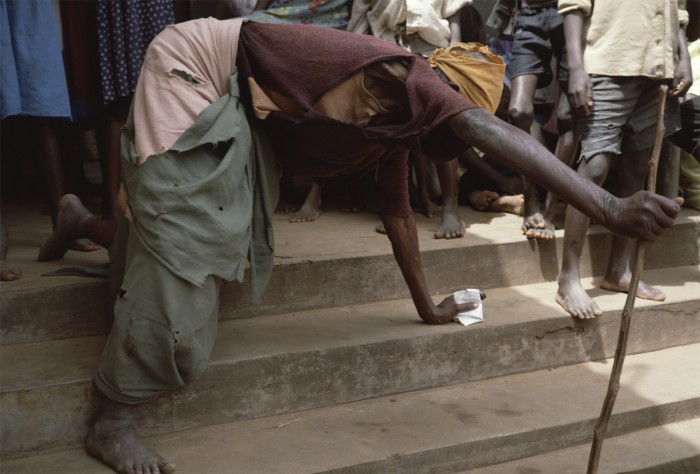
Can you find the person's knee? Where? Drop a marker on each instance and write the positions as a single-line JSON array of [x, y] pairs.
[[521, 115], [595, 169]]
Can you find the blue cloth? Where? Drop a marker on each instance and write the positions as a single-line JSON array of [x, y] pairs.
[[32, 77]]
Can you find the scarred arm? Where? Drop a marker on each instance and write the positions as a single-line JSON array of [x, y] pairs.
[[644, 215]]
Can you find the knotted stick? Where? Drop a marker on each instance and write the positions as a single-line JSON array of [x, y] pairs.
[[614, 384]]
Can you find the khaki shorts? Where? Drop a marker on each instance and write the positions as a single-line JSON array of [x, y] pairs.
[[623, 117]]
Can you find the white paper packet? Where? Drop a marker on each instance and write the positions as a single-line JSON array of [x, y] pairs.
[[472, 316]]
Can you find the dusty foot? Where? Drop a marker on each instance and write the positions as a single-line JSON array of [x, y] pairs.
[[510, 204], [575, 301], [622, 285], [451, 225], [71, 213], [307, 213], [112, 440], [481, 200], [379, 228], [9, 273], [536, 227]]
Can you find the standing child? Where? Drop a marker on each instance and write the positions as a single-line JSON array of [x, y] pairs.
[[614, 76]]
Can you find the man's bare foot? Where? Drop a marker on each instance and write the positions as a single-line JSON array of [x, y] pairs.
[[9, 273], [481, 200], [575, 301], [510, 204], [112, 440], [451, 225], [71, 214], [622, 285], [380, 229]]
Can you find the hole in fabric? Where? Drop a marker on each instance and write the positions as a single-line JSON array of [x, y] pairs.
[[185, 76]]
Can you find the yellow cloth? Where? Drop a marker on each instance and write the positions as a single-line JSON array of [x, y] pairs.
[[477, 72]]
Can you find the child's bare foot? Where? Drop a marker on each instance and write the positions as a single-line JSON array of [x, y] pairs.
[[112, 440], [71, 214], [311, 209], [536, 227], [622, 285], [510, 204], [451, 225], [575, 301], [481, 200]]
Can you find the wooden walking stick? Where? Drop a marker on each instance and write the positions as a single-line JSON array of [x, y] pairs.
[[614, 384]]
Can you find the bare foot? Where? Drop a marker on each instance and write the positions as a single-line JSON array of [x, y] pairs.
[[379, 228], [451, 225], [83, 245], [71, 214], [510, 204], [112, 440], [532, 223], [575, 301], [481, 200], [622, 285], [307, 213], [9, 273]]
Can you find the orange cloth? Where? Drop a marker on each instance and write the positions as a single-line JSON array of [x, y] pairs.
[[477, 72]]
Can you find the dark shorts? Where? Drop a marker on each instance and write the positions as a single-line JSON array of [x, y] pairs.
[[539, 36]]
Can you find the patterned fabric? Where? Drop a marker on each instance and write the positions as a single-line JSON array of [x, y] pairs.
[[32, 79], [125, 28], [328, 13]]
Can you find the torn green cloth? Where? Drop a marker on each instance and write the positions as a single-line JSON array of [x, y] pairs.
[[205, 206]]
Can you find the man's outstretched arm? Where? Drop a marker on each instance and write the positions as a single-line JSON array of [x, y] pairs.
[[404, 241], [643, 215]]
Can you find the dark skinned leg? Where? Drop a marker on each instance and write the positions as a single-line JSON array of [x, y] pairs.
[[426, 205], [6, 273], [565, 152], [521, 114], [630, 179], [570, 294], [451, 225], [109, 143]]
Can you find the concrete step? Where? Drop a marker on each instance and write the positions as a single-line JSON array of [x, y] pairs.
[[449, 429], [299, 361], [667, 449], [334, 261]]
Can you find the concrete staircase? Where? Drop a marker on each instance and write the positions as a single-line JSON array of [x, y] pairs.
[[336, 373]]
